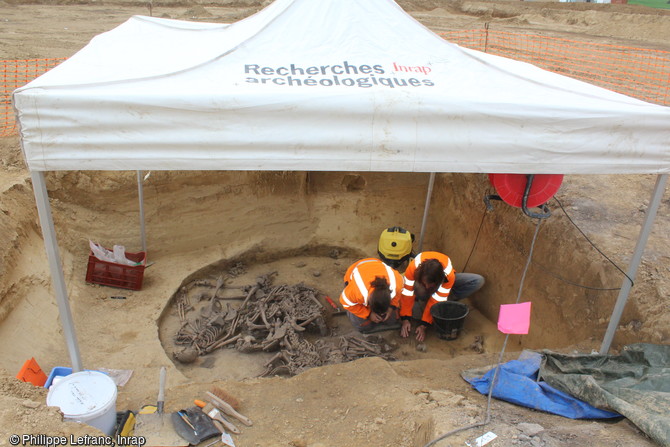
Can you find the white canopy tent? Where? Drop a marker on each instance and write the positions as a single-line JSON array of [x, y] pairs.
[[327, 85]]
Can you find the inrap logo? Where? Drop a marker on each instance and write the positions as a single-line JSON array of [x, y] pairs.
[[341, 74], [411, 68]]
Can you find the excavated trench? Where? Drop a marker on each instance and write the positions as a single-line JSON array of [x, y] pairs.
[[356, 207], [309, 227]]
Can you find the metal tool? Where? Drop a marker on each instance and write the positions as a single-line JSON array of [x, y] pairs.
[[226, 440], [336, 310], [152, 423]]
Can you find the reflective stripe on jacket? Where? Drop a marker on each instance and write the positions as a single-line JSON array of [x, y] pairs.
[[442, 293], [358, 278]]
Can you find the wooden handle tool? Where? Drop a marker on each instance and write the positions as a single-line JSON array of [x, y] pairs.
[[227, 409], [219, 426], [214, 414], [220, 422]]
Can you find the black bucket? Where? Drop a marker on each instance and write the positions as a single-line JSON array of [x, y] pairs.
[[448, 318]]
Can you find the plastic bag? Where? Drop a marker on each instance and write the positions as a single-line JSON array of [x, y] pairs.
[[118, 256]]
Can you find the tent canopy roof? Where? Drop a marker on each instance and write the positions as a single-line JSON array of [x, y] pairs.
[[324, 85]]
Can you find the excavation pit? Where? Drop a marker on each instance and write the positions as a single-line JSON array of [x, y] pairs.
[[272, 317]]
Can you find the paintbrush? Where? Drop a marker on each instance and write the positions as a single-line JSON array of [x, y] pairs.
[[214, 414], [227, 408]]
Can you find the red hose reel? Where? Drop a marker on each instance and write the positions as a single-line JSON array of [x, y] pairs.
[[526, 190]]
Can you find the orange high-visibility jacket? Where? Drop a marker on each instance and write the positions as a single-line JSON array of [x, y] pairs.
[[358, 278], [442, 293]]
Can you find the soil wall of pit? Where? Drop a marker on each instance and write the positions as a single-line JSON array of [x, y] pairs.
[[195, 219], [276, 211], [565, 271]]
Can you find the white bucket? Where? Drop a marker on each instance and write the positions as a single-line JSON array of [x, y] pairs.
[[88, 397]]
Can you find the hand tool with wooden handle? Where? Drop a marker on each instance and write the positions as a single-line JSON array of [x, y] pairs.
[[220, 421], [214, 413], [219, 425], [227, 409]]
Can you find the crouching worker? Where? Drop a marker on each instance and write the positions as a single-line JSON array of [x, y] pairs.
[[430, 279], [371, 295]]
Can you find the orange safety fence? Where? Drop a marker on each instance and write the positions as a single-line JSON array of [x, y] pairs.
[[14, 74], [637, 72]]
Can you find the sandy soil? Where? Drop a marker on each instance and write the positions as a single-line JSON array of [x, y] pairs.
[[199, 222]]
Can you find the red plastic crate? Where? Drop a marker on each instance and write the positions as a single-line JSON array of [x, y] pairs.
[[117, 275]]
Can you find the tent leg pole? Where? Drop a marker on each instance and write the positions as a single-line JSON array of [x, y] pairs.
[[429, 194], [57, 277], [654, 203], [140, 194]]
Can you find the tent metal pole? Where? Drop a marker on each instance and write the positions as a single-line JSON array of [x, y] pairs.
[[140, 194], [429, 194], [652, 209], [57, 277]]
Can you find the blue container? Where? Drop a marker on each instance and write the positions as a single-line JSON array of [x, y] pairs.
[[58, 371]]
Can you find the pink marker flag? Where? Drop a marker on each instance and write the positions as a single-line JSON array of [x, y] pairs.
[[514, 318]]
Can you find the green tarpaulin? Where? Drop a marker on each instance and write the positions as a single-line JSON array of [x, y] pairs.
[[635, 384]]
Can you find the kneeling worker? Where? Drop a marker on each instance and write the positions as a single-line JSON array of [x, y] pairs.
[[430, 278], [371, 295]]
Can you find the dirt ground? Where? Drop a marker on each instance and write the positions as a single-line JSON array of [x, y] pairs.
[[291, 222]]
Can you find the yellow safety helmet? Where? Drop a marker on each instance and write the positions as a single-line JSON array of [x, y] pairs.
[[395, 246]]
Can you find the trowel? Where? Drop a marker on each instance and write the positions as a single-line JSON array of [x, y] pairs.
[[155, 426]]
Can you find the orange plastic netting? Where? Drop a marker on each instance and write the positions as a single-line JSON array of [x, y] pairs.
[[637, 72], [14, 74]]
